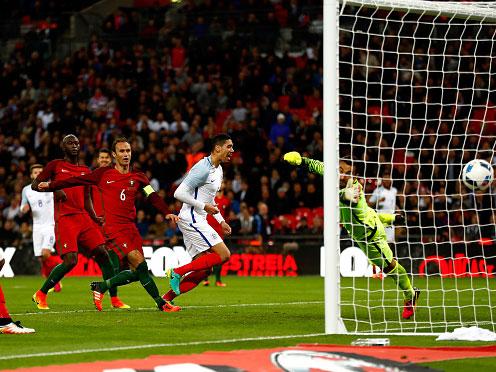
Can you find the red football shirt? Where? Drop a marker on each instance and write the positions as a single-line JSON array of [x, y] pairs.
[[59, 170], [118, 194]]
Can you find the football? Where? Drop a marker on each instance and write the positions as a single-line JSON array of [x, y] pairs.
[[477, 174]]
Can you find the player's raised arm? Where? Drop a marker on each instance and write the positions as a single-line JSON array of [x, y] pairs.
[[45, 175], [87, 179], [314, 166]]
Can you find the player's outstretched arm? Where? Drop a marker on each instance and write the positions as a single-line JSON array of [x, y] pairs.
[[44, 175], [85, 180], [155, 199], [314, 166]]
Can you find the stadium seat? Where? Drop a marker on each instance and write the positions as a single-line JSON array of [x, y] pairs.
[[319, 211], [283, 102], [302, 212]]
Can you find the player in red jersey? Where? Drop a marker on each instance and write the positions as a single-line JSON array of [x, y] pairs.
[[7, 325], [74, 220], [119, 187], [104, 160]]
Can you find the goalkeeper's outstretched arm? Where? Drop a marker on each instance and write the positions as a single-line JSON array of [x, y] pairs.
[[314, 166]]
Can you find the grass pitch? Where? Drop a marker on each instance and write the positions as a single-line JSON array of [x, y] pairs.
[[249, 313]]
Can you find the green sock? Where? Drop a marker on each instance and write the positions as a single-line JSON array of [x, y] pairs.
[[55, 276], [106, 267], [148, 283], [216, 269], [114, 260], [399, 275], [123, 278]]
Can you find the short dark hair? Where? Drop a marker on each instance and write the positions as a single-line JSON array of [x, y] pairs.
[[219, 139], [118, 140], [34, 166], [104, 151], [347, 159]]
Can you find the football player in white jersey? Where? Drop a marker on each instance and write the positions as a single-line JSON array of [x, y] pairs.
[[197, 192], [41, 206]]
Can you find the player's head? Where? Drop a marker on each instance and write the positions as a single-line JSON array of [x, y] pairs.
[[222, 147], [34, 170], [71, 146], [104, 158], [121, 151], [345, 171]]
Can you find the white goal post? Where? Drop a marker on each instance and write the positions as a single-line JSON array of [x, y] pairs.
[[410, 93]]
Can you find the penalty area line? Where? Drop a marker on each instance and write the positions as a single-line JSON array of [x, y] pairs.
[[151, 346], [184, 307]]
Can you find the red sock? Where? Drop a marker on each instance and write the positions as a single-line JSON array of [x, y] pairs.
[[204, 262], [189, 282], [4, 313], [49, 263]]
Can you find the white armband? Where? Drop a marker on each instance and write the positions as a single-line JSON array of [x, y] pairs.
[[183, 194], [219, 217]]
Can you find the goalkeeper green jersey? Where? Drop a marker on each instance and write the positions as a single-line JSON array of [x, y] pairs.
[[362, 222]]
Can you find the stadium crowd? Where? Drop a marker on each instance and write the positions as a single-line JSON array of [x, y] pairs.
[[187, 78]]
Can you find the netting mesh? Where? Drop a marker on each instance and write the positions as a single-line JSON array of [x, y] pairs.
[[417, 102]]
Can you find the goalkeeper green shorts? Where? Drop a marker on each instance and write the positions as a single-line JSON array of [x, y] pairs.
[[378, 252]]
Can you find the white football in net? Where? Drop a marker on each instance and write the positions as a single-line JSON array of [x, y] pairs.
[[477, 174]]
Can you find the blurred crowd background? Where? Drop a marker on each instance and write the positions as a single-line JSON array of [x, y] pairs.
[[168, 78]]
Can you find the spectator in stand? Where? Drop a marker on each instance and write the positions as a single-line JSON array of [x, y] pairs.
[[158, 228], [141, 223], [246, 220], [98, 102], [383, 200], [262, 227], [302, 227], [160, 124], [246, 194], [192, 136], [280, 129], [178, 126]]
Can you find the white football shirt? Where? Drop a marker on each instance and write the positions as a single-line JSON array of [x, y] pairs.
[[41, 204], [203, 180]]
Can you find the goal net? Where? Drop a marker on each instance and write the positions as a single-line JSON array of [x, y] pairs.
[[417, 101]]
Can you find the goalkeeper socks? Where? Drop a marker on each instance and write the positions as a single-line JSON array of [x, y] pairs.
[[123, 278], [189, 282], [216, 269], [4, 313], [147, 282], [400, 276], [114, 260], [204, 262], [55, 276]]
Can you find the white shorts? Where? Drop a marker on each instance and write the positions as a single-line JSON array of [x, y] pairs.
[[43, 237], [198, 237]]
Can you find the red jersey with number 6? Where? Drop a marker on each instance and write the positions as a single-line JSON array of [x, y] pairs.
[[118, 194]]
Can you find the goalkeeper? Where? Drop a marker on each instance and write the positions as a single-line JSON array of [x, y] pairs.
[[365, 226]]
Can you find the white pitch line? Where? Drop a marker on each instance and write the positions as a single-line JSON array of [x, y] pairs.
[[150, 346], [185, 307]]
